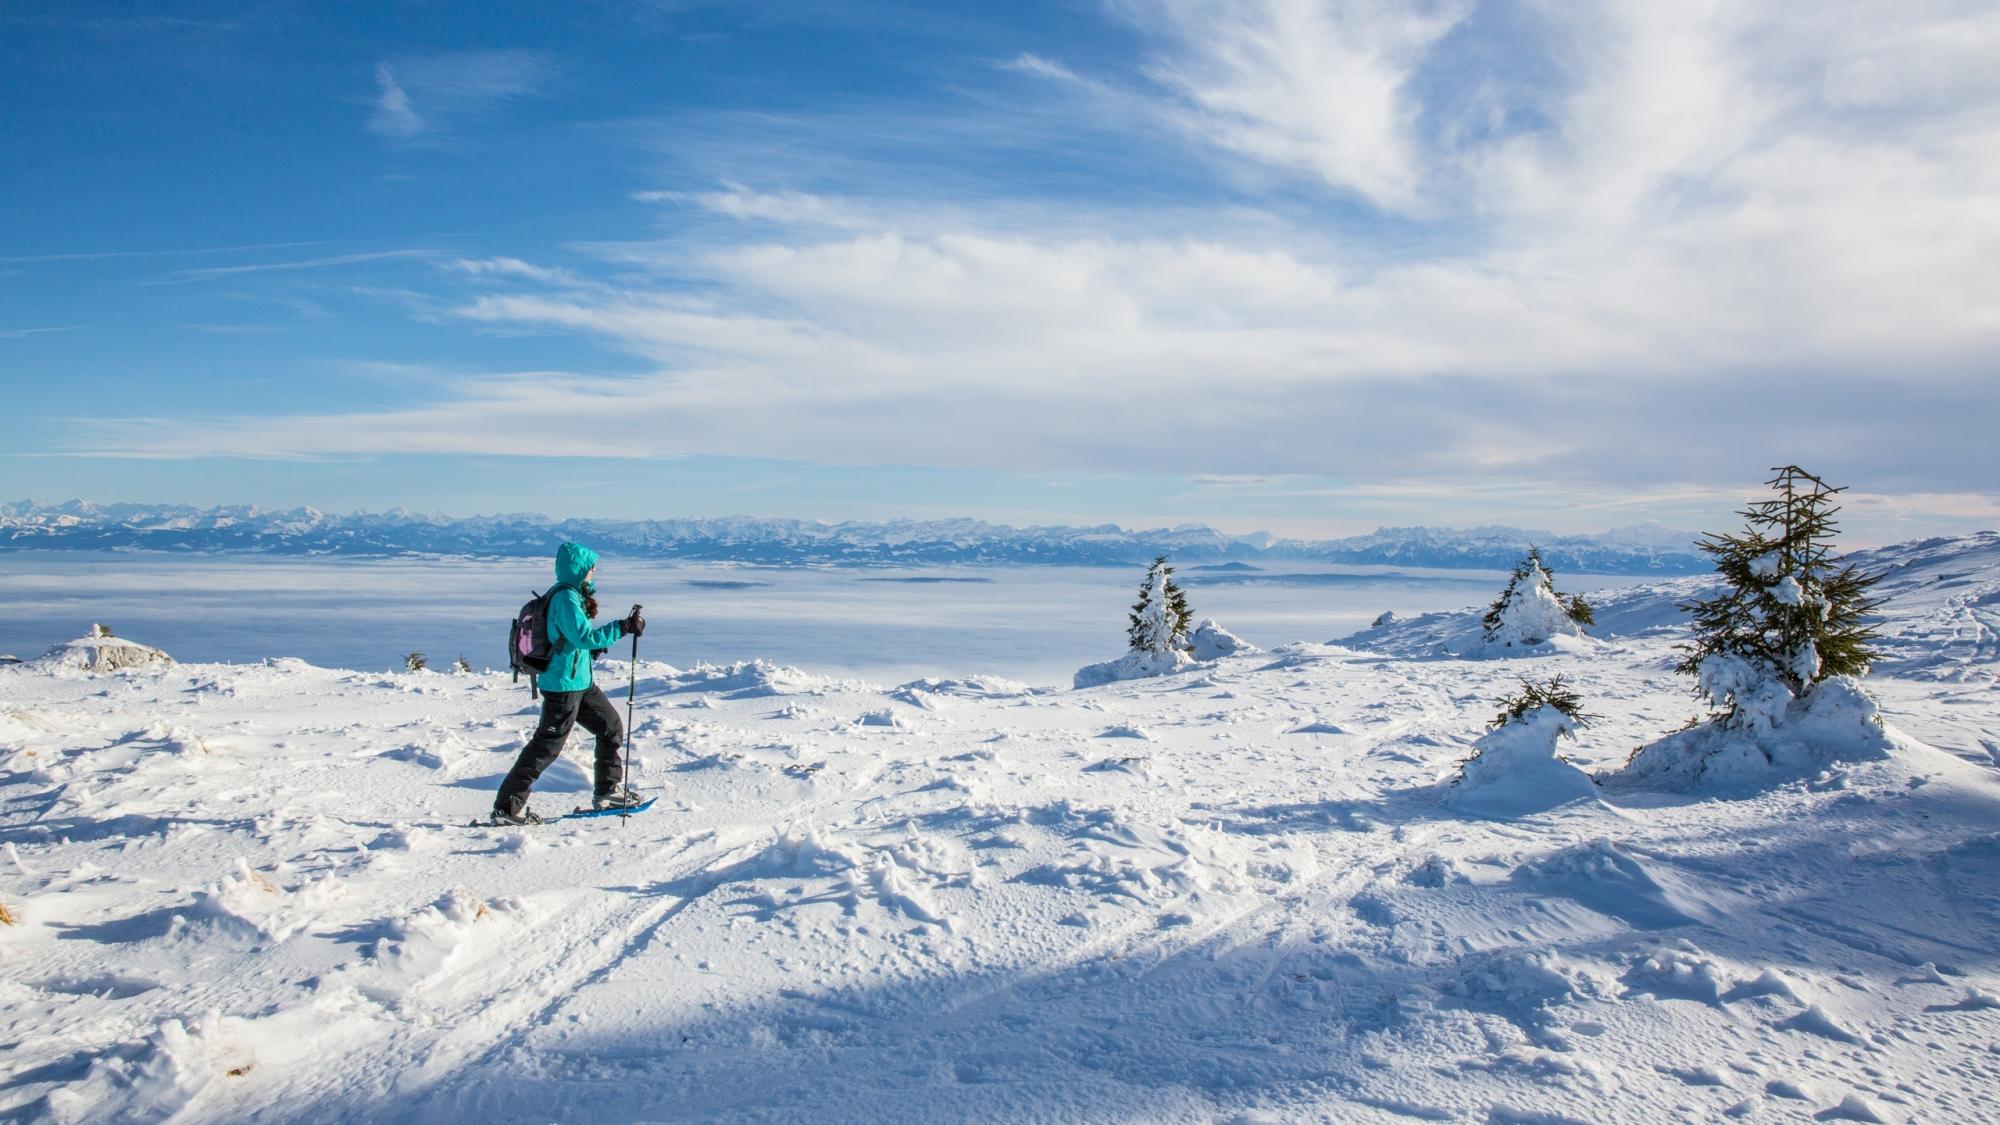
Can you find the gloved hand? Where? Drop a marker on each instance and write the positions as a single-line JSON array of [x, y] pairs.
[[635, 625]]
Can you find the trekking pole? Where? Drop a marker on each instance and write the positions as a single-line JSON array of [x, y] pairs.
[[631, 694]]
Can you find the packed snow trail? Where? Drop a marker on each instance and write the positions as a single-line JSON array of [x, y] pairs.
[[1246, 891]]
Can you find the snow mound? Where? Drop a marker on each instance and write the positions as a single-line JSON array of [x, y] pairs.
[[1679, 971], [244, 902], [1853, 1107], [1774, 738], [99, 651], [1459, 635], [1436, 871], [175, 1065], [1126, 730], [1519, 984], [1815, 1021], [925, 692], [934, 694], [1515, 770], [1136, 664], [430, 942], [1210, 641], [747, 679], [247, 904], [1613, 881]]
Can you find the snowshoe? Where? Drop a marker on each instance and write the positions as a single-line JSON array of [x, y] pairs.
[[503, 818], [619, 799]]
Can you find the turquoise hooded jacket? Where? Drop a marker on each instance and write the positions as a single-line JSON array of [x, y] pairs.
[[569, 630]]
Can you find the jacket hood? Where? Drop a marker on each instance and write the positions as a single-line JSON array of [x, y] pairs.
[[573, 561]]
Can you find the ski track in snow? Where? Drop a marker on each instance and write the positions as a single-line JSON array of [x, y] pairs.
[[249, 892]]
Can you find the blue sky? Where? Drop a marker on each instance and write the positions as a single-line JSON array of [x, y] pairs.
[[1270, 264]]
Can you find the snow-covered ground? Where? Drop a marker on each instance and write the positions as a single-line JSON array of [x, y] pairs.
[[1243, 892]]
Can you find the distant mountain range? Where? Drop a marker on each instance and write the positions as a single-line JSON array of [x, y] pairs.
[[78, 525]]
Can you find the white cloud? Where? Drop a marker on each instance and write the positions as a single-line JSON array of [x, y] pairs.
[[503, 267], [393, 115], [786, 207], [1027, 62], [1685, 255], [207, 273], [424, 96], [1318, 87]]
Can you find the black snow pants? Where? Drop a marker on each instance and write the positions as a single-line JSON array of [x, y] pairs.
[[561, 711]]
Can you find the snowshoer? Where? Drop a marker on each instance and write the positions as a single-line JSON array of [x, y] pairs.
[[569, 696]]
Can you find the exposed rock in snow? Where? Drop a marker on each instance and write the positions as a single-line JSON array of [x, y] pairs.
[[1210, 641], [1515, 770], [99, 651]]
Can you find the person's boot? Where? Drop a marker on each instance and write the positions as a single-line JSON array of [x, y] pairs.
[[525, 816], [617, 799]]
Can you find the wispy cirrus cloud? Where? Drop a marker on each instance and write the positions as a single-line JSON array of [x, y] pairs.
[[393, 115], [1324, 88], [23, 333], [425, 97], [503, 267], [105, 255], [209, 273], [1028, 62]]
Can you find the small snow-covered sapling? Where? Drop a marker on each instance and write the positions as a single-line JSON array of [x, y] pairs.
[[1553, 692]]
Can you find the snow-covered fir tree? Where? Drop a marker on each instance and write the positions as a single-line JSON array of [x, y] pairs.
[[1529, 610], [1160, 619], [1515, 767], [1791, 613]]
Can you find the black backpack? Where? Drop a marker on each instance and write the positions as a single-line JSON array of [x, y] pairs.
[[528, 646]]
